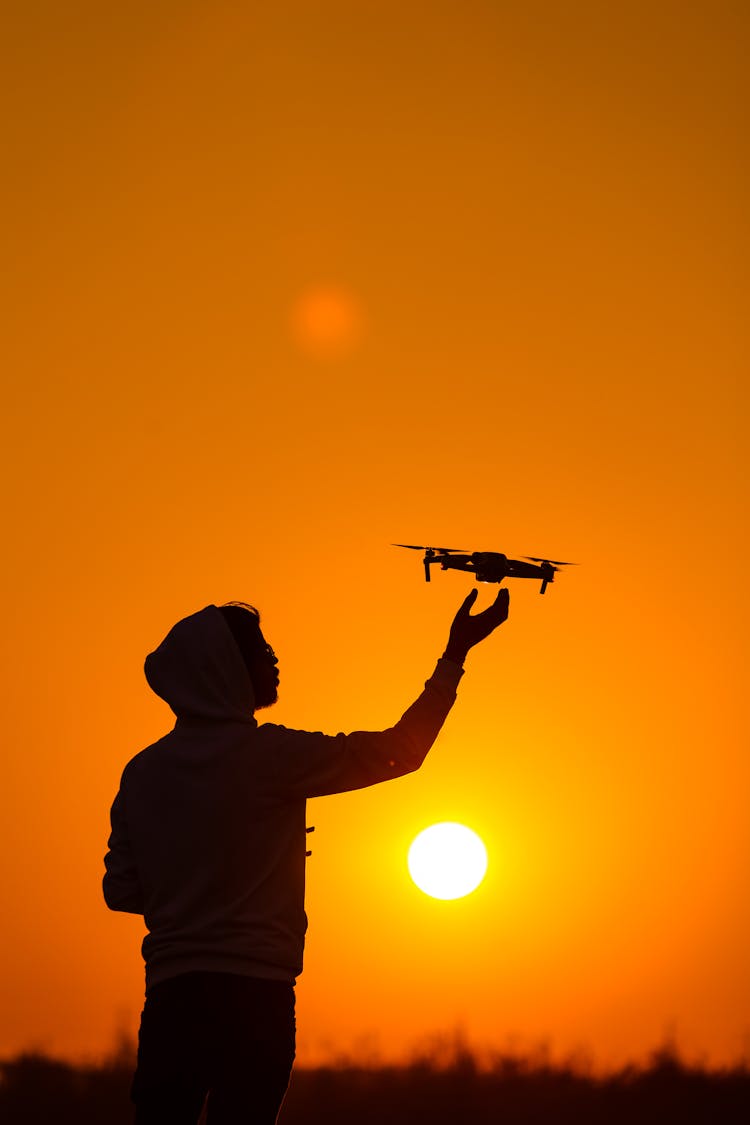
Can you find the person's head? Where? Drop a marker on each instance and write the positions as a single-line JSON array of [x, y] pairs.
[[260, 659]]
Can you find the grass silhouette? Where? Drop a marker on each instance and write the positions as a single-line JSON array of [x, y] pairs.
[[446, 1085]]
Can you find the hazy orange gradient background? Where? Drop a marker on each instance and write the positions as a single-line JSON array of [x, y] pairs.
[[289, 283]]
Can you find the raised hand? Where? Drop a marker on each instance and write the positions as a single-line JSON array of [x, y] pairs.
[[467, 631]]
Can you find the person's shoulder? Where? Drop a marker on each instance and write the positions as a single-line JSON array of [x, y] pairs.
[[270, 732], [274, 734], [144, 757]]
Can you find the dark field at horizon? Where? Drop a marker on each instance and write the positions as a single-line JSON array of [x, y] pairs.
[[36, 1089]]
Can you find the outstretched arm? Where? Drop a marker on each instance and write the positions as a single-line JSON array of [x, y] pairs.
[[315, 765]]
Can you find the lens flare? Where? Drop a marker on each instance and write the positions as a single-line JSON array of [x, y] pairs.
[[327, 321]]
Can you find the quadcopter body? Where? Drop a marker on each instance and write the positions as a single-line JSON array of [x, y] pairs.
[[488, 566]]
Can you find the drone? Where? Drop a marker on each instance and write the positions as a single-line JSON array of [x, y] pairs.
[[488, 566]]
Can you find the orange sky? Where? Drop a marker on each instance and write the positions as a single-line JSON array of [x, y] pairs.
[[290, 283]]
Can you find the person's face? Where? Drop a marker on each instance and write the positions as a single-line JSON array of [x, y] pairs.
[[265, 676]]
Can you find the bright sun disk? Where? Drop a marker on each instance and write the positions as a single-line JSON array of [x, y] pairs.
[[447, 860]]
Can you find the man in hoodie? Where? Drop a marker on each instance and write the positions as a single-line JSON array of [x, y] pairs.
[[208, 842]]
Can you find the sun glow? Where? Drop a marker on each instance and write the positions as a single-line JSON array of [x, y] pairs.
[[447, 860], [327, 321]]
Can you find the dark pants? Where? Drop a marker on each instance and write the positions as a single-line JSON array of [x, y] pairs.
[[220, 1035]]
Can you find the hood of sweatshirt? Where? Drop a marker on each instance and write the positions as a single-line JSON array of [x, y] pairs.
[[199, 671]]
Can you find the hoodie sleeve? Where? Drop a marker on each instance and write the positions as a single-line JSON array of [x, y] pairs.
[[310, 764], [122, 890]]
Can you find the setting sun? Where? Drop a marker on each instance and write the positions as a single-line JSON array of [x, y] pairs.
[[447, 860]]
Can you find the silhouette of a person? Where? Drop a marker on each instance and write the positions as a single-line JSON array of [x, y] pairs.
[[208, 842]]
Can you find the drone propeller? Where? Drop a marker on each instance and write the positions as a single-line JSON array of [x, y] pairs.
[[552, 562], [440, 550]]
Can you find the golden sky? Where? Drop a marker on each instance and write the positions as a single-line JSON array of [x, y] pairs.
[[289, 283]]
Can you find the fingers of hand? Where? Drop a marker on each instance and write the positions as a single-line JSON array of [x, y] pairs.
[[496, 613], [469, 601]]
